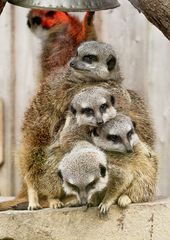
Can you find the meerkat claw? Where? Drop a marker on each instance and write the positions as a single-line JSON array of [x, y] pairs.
[[103, 208], [54, 203], [34, 207]]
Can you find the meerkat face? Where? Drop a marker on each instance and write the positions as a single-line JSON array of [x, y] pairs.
[[93, 106], [83, 173], [116, 135], [95, 60], [41, 21]]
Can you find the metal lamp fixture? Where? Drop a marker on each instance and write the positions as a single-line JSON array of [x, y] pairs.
[[68, 5]]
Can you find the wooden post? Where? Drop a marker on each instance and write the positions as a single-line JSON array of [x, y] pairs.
[[1, 133]]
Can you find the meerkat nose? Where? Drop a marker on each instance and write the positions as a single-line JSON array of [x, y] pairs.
[[129, 149], [100, 123], [73, 64], [83, 201]]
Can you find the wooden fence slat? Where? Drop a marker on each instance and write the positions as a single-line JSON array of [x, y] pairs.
[[1, 133]]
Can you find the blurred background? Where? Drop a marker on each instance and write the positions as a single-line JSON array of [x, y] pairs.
[[144, 55]]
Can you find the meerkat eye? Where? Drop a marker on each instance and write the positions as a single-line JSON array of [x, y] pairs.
[[103, 107], [87, 111], [90, 58], [129, 134], [111, 62], [74, 187], [36, 20], [114, 138], [91, 185], [50, 14]]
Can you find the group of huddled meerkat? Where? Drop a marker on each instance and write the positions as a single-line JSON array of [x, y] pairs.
[[84, 135]]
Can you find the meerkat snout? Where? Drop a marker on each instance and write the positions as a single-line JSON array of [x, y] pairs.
[[93, 106], [83, 172], [97, 61], [118, 134]]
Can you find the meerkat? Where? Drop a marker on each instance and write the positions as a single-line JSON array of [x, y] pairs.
[[83, 172], [49, 106], [41, 21], [117, 135], [93, 106], [135, 158], [61, 33]]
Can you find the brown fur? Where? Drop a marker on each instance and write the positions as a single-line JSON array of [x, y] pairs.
[[48, 110], [140, 114], [132, 176]]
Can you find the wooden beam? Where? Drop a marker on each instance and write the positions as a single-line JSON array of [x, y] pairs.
[[157, 12]]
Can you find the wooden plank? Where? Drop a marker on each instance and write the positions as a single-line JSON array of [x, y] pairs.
[[6, 79], [1, 133]]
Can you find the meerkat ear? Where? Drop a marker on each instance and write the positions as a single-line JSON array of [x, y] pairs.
[[73, 110], [60, 174], [95, 132], [89, 17], [134, 124], [111, 62], [102, 170], [112, 100]]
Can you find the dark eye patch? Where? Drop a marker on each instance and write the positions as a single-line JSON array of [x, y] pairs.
[[111, 62], [87, 111], [36, 20], [103, 107], [130, 133], [90, 58], [91, 185], [50, 14], [114, 138], [74, 187]]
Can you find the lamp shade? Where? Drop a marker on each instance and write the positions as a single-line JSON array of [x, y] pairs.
[[68, 5]]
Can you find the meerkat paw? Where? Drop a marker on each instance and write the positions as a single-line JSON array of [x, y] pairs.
[[104, 207], [73, 203], [124, 201], [55, 203], [34, 206]]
